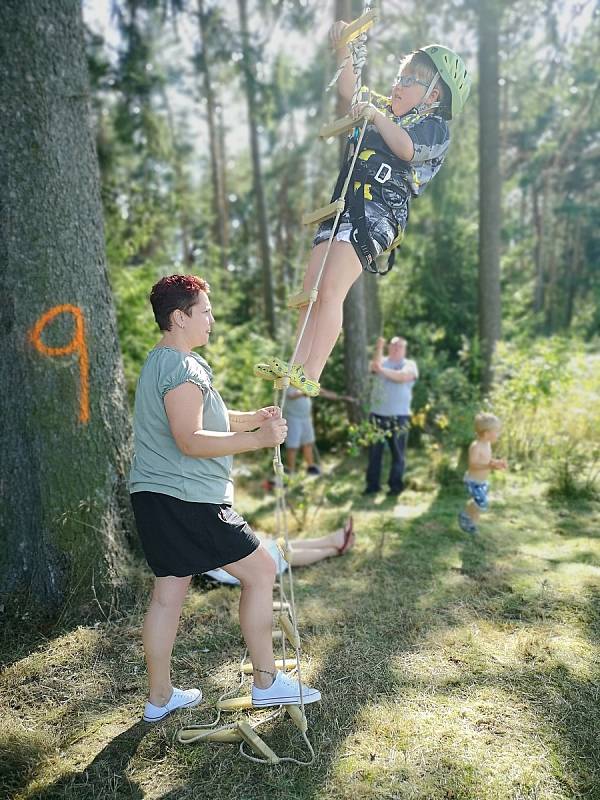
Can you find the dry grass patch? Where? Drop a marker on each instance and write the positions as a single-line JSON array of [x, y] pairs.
[[450, 667]]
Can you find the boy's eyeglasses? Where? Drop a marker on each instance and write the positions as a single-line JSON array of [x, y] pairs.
[[407, 81]]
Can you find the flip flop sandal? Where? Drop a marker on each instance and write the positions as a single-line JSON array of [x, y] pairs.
[[299, 381], [265, 372], [279, 367], [348, 536], [297, 377]]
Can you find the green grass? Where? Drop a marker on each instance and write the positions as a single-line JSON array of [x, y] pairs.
[[451, 667]]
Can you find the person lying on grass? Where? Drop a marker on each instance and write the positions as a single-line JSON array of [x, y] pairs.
[[302, 552]]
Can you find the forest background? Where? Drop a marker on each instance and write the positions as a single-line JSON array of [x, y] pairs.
[[207, 115], [146, 137]]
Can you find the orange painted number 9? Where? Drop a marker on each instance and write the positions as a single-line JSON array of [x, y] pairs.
[[76, 345]]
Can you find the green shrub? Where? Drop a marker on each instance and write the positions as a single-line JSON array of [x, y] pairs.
[[445, 471], [575, 476], [547, 394]]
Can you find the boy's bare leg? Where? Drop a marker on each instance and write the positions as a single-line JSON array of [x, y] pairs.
[[343, 269], [312, 270], [473, 511]]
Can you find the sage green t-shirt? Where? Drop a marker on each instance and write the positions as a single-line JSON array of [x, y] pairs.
[[158, 464]]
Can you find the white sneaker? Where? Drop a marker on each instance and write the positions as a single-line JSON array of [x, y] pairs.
[[283, 691], [181, 698]]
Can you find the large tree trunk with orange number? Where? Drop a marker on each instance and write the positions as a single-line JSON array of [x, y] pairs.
[[64, 426]]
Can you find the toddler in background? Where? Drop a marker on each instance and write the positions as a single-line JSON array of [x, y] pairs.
[[487, 430]]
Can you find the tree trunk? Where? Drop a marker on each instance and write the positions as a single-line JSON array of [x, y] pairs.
[[282, 242], [572, 273], [373, 309], [64, 429], [557, 278], [355, 349], [538, 222], [355, 316], [259, 198], [489, 187], [217, 166], [182, 189]]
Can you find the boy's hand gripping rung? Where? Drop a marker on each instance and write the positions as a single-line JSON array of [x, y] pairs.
[[358, 26], [345, 124]]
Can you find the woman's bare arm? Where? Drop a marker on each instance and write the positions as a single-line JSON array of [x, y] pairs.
[[184, 406]]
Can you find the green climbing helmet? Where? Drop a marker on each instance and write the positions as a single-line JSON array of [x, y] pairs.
[[453, 72]]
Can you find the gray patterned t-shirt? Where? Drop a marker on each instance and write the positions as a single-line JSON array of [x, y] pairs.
[[431, 138], [158, 464]]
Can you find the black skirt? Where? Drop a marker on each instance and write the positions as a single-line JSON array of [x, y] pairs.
[[180, 538]]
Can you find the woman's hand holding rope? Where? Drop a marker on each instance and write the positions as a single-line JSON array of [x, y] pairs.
[[272, 432]]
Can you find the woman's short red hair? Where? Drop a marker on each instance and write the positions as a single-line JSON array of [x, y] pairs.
[[175, 292]]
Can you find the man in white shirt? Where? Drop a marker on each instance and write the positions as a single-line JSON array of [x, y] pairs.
[[391, 399]]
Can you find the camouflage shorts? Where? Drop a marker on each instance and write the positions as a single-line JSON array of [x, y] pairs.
[[382, 228]]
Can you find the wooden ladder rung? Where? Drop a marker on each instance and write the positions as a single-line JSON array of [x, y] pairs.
[[338, 126], [260, 747], [235, 703], [288, 630], [302, 299], [325, 212], [358, 26], [285, 553], [282, 383], [222, 735], [290, 663], [298, 717], [278, 605]]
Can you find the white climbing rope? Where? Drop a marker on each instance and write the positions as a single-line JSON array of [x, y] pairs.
[[358, 53]]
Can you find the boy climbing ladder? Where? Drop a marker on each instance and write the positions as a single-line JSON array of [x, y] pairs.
[[390, 158]]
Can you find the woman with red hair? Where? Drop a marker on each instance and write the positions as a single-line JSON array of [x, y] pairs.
[[182, 496]]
